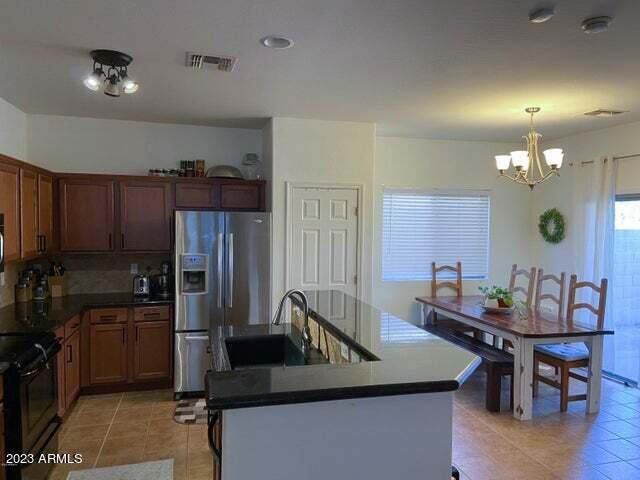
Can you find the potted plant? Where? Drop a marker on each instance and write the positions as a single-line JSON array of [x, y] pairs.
[[496, 297]]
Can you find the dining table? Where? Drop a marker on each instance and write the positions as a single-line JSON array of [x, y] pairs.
[[524, 329]]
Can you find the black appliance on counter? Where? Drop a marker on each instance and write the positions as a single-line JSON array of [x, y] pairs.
[[162, 286], [31, 401]]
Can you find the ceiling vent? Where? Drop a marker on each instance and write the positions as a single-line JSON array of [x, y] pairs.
[[200, 62], [601, 112]]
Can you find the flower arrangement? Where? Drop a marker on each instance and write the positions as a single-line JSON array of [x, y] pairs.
[[497, 297]]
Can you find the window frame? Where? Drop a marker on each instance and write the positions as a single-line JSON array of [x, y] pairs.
[[463, 192]]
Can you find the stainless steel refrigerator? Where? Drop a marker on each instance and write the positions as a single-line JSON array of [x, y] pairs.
[[223, 277]]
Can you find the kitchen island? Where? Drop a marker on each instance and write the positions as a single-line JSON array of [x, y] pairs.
[[373, 400]]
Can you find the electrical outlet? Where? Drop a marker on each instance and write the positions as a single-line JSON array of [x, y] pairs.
[[2, 280], [134, 269]]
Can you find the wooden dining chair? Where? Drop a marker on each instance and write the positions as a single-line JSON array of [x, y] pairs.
[[540, 296], [455, 286], [514, 287], [567, 356]]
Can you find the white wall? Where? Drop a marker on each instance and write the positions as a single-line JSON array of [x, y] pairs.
[[416, 163], [559, 192], [13, 131], [321, 152], [90, 145]]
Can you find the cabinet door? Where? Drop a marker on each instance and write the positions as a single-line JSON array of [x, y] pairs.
[[241, 196], [45, 213], [72, 368], [152, 351], [145, 216], [108, 353], [61, 366], [10, 207], [28, 214], [86, 215], [196, 195]]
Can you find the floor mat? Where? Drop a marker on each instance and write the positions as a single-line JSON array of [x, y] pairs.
[[161, 470], [191, 411]]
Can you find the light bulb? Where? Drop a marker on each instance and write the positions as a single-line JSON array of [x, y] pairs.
[[129, 85], [520, 159], [93, 80], [111, 87], [503, 161], [553, 157]]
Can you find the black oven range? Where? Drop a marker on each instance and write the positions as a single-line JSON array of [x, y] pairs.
[[31, 403]]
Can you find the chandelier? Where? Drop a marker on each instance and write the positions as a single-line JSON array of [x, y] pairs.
[[110, 73], [528, 168]]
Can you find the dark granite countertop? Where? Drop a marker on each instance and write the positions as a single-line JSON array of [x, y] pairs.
[[33, 317], [408, 360]]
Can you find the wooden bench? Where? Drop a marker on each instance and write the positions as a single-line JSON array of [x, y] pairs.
[[497, 362]]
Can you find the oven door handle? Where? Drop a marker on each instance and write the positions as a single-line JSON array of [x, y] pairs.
[[214, 418], [37, 365], [32, 372]]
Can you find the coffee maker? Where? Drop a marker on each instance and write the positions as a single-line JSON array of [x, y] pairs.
[[163, 283]]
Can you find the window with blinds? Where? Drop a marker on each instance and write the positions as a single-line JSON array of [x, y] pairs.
[[422, 227]]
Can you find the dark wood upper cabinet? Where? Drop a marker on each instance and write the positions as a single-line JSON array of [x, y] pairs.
[[86, 215], [10, 207], [242, 196], [197, 195], [45, 213], [28, 214], [152, 351], [145, 216]]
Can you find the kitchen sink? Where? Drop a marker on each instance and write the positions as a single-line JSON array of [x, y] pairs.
[[267, 351]]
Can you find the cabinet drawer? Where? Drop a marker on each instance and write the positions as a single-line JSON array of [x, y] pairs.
[[109, 315], [145, 314], [71, 326]]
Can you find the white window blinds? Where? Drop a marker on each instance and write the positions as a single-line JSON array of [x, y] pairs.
[[423, 227]]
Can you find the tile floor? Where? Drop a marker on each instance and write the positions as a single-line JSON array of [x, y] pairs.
[[136, 427], [131, 428], [554, 445]]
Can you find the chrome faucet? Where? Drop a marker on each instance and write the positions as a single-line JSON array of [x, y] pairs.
[[306, 331]]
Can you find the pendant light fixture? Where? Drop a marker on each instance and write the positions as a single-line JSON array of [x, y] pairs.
[[529, 168], [110, 72]]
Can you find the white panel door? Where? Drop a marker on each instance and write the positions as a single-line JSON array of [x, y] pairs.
[[324, 239]]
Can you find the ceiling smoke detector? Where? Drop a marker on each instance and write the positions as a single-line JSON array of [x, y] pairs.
[[596, 24], [602, 112], [199, 62], [276, 42], [541, 15]]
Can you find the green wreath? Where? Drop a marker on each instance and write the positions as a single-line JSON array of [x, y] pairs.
[[554, 219]]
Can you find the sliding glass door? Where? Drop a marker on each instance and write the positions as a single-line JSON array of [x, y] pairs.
[[622, 350]]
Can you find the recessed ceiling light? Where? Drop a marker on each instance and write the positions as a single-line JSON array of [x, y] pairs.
[[596, 24], [276, 42], [541, 15]]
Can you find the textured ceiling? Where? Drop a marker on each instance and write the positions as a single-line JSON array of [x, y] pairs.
[[461, 69]]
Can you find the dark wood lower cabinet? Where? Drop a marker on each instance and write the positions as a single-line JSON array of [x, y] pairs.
[[72, 367], [108, 353], [124, 349], [152, 351]]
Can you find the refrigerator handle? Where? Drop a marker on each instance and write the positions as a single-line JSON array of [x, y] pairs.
[[230, 269], [220, 268]]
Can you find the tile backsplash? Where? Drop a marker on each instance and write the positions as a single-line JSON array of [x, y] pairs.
[[7, 292], [88, 273]]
